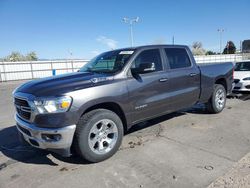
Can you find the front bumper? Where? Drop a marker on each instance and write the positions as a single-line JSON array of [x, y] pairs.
[[37, 136], [242, 86]]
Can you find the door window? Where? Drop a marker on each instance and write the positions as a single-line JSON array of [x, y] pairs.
[[149, 56]]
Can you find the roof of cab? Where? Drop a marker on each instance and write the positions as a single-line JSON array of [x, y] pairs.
[[153, 46]]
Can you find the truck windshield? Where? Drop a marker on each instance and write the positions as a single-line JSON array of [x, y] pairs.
[[242, 66], [108, 62]]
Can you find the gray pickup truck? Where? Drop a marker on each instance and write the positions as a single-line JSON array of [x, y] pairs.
[[88, 111]]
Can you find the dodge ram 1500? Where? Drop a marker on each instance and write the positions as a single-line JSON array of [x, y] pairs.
[[88, 111]]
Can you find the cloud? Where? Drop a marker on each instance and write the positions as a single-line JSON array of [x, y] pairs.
[[111, 43], [95, 52], [159, 40], [214, 47]]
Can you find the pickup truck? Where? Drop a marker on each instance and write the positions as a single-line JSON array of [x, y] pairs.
[[87, 112]]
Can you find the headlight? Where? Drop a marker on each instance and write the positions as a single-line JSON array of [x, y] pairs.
[[248, 78], [53, 105]]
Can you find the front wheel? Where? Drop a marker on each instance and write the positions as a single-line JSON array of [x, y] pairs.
[[98, 135], [218, 100]]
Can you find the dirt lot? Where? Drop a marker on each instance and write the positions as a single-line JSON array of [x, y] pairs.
[[184, 149]]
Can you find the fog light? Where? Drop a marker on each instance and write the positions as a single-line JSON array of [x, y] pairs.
[[51, 137]]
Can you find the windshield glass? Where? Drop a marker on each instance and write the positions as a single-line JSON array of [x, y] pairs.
[[108, 62], [242, 66]]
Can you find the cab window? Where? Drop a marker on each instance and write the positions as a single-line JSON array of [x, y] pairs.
[[177, 58]]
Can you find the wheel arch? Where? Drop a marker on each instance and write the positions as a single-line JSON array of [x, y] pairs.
[[222, 81], [112, 106]]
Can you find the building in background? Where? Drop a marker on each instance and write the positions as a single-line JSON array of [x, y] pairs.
[[246, 46]]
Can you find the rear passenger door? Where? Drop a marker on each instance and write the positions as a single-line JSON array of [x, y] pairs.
[[184, 78]]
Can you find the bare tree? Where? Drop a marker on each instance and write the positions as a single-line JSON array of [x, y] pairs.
[[197, 48]]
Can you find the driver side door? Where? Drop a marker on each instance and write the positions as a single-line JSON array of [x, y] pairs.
[[148, 92]]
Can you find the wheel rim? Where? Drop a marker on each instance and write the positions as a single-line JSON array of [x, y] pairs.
[[103, 136], [220, 99]]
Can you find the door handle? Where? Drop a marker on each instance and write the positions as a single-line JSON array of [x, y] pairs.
[[163, 79], [192, 74]]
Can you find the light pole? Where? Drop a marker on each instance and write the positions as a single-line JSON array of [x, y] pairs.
[[220, 31], [131, 22], [173, 40]]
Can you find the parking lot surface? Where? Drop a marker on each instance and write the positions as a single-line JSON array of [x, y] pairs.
[[189, 148]]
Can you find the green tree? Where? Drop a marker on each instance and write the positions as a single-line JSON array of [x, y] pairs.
[[197, 49], [31, 56], [14, 56], [209, 52], [229, 48]]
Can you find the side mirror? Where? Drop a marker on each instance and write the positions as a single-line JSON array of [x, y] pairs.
[[144, 68]]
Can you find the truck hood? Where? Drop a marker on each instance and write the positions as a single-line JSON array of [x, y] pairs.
[[241, 74], [61, 84]]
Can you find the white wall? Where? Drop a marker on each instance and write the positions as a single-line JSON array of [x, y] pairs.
[[37, 69], [219, 58]]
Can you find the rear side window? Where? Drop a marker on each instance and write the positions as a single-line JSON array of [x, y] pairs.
[[149, 56], [177, 58]]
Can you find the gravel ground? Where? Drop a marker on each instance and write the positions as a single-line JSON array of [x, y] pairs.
[[239, 176]]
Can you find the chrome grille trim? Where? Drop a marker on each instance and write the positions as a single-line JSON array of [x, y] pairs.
[[28, 105], [23, 108]]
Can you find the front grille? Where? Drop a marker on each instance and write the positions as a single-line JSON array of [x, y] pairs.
[[236, 81], [22, 107], [237, 87]]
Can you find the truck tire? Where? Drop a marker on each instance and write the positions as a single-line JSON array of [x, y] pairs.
[[98, 135], [218, 100]]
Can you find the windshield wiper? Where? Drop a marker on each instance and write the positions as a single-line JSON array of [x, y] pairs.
[[89, 70], [100, 71]]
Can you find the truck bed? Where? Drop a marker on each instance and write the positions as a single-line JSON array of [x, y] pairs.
[[214, 71]]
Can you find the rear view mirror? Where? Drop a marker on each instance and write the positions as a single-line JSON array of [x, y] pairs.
[[144, 68]]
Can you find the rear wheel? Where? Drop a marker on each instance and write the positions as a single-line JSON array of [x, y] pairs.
[[98, 135], [218, 100]]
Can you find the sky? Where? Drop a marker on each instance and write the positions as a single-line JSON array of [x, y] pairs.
[[57, 29]]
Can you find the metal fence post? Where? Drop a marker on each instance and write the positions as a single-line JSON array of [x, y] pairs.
[[31, 69], [4, 73], [51, 66], [0, 74], [66, 63], [72, 66]]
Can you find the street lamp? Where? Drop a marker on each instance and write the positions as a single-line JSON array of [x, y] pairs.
[[131, 22], [220, 31]]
